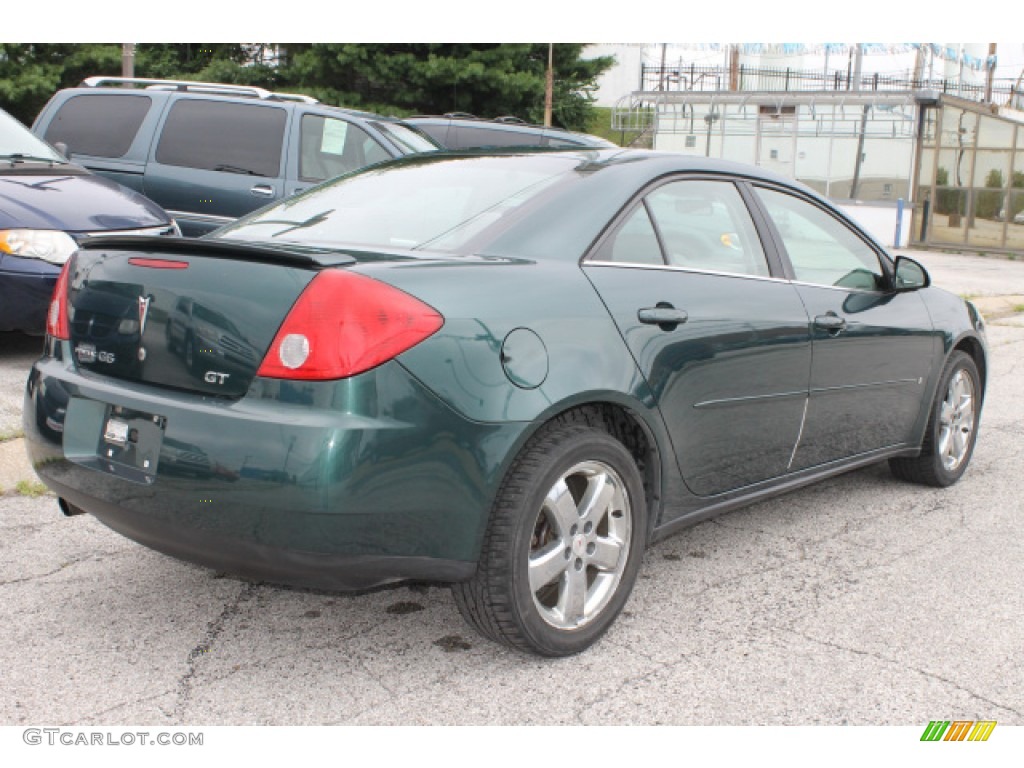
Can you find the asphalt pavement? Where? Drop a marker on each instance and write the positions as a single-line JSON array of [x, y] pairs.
[[861, 600]]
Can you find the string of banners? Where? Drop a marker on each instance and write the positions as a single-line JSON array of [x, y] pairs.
[[946, 53]]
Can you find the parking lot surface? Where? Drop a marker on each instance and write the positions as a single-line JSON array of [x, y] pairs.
[[861, 600]]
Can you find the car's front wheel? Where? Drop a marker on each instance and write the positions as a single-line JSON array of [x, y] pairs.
[[952, 427], [564, 544]]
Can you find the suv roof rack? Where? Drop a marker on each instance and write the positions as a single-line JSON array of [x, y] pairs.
[[193, 85]]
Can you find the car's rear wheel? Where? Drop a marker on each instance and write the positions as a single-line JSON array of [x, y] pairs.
[[952, 427], [564, 544]]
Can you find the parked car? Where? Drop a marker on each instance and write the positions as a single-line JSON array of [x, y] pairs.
[[510, 372], [204, 338], [1018, 218], [210, 152], [47, 206], [462, 131]]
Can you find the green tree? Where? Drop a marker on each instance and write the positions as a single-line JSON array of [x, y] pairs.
[[947, 200], [30, 73], [1017, 198], [483, 79], [206, 62], [989, 205]]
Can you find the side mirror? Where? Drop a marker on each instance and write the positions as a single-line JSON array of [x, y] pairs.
[[61, 147], [910, 276]]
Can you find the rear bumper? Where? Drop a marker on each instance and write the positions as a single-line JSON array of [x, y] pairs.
[[340, 485], [250, 559]]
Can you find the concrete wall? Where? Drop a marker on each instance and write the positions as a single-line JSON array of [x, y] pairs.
[[624, 77], [880, 222]]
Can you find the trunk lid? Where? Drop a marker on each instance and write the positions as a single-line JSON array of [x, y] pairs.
[[192, 315]]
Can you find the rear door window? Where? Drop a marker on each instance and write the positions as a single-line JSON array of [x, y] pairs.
[[634, 242], [223, 136], [99, 125], [705, 225]]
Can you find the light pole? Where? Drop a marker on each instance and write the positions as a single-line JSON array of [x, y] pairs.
[[710, 118]]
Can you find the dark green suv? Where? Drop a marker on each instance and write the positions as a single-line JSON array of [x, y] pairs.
[[210, 152]]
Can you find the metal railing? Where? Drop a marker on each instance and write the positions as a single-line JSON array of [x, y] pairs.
[[718, 78]]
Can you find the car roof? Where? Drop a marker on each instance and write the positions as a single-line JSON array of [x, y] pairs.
[[594, 184], [635, 163]]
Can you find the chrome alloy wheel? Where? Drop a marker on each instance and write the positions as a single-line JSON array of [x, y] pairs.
[[956, 420], [580, 545]]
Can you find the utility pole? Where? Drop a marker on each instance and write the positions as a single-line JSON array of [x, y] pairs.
[[858, 64], [855, 186], [918, 67], [991, 72], [734, 67], [127, 59], [549, 86]]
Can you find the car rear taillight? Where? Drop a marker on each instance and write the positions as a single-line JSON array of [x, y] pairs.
[[57, 324], [344, 323]]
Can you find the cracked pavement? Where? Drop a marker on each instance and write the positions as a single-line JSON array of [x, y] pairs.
[[861, 600]]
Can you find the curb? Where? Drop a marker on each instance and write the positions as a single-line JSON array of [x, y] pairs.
[[998, 307]]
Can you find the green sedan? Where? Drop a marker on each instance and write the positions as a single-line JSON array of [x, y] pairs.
[[509, 372]]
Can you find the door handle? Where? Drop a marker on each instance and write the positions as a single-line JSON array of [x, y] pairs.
[[830, 322], [263, 190], [664, 315]]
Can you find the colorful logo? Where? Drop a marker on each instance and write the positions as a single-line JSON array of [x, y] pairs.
[[958, 730]]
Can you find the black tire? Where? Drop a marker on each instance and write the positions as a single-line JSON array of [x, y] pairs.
[[940, 462], [527, 536]]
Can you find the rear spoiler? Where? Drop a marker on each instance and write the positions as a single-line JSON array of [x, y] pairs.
[[291, 255]]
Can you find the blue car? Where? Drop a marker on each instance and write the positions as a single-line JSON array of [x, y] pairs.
[[47, 206]]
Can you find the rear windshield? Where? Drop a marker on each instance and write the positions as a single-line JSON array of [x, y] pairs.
[[407, 138], [427, 203]]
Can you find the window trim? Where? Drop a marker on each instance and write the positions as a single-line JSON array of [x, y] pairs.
[[689, 270]]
